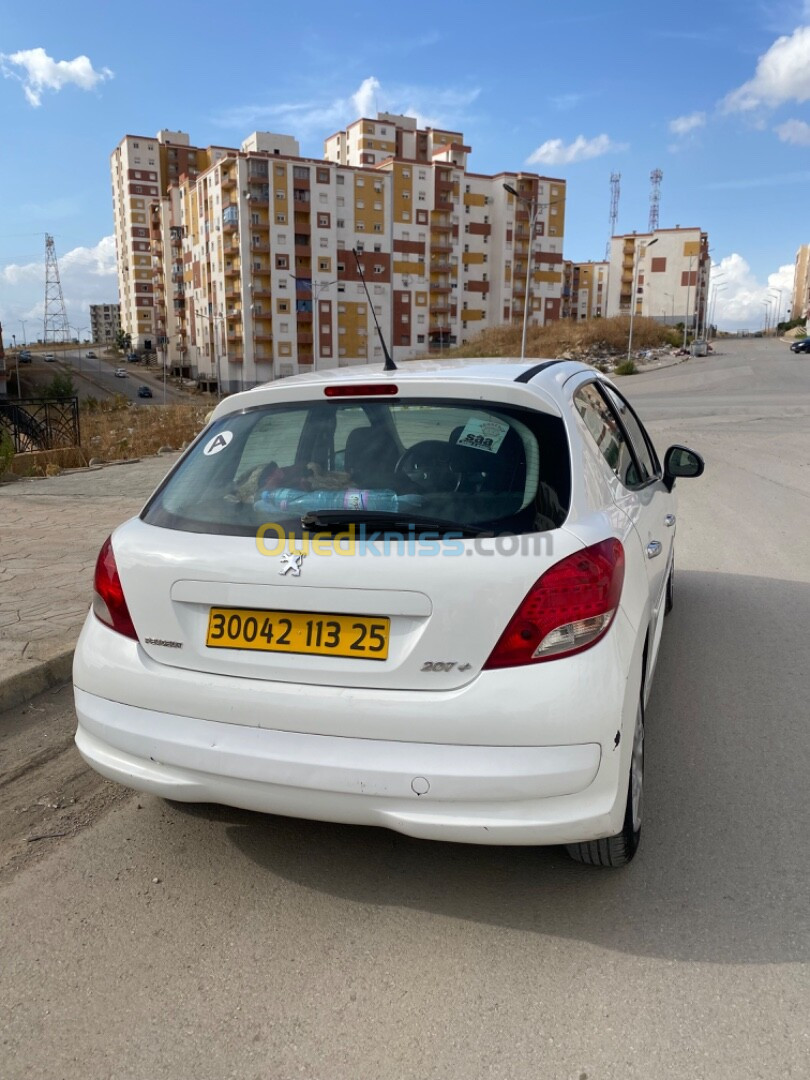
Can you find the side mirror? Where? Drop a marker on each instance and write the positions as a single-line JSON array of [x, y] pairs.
[[681, 461]]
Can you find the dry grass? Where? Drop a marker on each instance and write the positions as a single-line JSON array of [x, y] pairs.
[[116, 430], [606, 337]]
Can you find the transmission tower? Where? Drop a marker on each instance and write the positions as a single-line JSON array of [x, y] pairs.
[[656, 176], [56, 327], [615, 191]]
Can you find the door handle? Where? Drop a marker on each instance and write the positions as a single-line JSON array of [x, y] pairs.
[[655, 547], [669, 520]]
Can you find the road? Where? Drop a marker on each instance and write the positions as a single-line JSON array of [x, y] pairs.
[[96, 377], [167, 941]]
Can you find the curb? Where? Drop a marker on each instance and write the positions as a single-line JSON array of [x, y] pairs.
[[19, 688]]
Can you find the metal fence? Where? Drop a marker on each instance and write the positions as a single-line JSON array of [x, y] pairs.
[[41, 423]]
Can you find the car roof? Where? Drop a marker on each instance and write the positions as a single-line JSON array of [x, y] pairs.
[[489, 369]]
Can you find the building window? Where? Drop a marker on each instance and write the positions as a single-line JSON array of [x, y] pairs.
[[282, 262], [324, 221], [322, 176]]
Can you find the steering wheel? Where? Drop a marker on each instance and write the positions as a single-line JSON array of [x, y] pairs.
[[430, 466]]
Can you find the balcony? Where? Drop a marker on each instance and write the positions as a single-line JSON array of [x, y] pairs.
[[437, 288], [230, 227], [229, 181], [441, 247], [261, 248]]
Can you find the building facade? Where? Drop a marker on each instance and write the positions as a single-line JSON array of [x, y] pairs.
[[243, 265], [105, 323], [585, 287], [669, 270], [800, 307]]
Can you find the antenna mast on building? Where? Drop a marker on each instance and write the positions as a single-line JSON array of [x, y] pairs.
[[656, 176], [56, 327], [615, 191]]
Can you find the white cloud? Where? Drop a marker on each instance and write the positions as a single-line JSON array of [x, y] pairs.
[[38, 72], [683, 125], [88, 276], [555, 152], [364, 98], [315, 119], [782, 75], [794, 131], [741, 303]]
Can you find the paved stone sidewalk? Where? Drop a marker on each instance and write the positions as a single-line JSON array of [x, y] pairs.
[[50, 534]]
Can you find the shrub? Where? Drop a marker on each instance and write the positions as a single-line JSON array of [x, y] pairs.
[[627, 368], [6, 450]]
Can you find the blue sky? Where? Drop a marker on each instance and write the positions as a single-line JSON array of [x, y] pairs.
[[717, 95]]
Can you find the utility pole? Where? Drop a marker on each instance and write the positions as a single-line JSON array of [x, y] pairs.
[[615, 191], [56, 328], [656, 176]]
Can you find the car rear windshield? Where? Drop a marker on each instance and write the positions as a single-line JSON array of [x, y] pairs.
[[481, 466]]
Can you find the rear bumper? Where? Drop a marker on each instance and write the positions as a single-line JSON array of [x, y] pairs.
[[470, 794]]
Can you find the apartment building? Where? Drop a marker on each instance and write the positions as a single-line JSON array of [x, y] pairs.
[[584, 290], [239, 266], [460, 241], [669, 269], [105, 323], [800, 307]]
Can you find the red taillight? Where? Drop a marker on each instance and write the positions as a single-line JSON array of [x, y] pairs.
[[109, 603], [362, 390], [567, 610]]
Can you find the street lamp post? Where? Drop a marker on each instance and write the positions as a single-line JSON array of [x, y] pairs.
[[16, 363], [635, 288], [212, 342], [23, 326], [534, 211], [316, 288], [713, 303], [777, 294]]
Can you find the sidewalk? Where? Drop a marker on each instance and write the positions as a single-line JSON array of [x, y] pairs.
[[51, 531]]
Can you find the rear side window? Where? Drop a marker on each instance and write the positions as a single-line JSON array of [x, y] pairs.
[[466, 462], [642, 444], [603, 424]]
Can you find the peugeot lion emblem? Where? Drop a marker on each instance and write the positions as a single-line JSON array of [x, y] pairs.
[[291, 560]]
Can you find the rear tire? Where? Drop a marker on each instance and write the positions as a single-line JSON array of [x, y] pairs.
[[618, 850]]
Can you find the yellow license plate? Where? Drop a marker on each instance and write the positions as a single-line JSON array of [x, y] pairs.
[[358, 636]]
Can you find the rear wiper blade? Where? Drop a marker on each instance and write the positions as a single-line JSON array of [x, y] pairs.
[[333, 519]]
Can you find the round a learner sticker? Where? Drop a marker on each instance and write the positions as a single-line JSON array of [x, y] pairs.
[[219, 442]]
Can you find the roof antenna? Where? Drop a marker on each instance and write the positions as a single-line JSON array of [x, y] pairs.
[[389, 364]]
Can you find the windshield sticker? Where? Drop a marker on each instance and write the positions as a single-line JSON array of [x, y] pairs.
[[219, 442], [483, 434]]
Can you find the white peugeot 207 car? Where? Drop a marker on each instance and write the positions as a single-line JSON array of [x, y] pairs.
[[429, 599]]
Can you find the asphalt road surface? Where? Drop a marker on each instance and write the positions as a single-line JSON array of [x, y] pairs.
[[95, 377], [157, 940]]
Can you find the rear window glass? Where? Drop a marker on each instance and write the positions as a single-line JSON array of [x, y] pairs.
[[470, 463]]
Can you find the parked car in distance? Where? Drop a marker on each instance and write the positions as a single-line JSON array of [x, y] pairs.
[[24, 357], [144, 391], [133, 358], [120, 373], [91, 355], [49, 357], [494, 698], [801, 346]]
